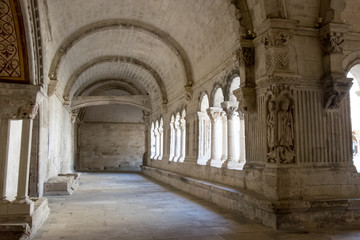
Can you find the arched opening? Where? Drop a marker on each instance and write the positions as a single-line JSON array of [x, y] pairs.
[[355, 115], [112, 137], [236, 128]]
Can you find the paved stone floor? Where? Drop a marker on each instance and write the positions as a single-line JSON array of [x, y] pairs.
[[130, 206]]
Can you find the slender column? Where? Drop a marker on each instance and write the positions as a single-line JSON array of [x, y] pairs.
[[152, 143], [161, 136], [183, 139], [157, 143], [230, 107], [177, 141], [172, 141], [24, 164], [216, 136], [224, 137], [4, 152], [146, 118]]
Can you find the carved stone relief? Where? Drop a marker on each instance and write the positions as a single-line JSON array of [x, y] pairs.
[[28, 111], [336, 88], [332, 42], [246, 55], [280, 125], [277, 56]]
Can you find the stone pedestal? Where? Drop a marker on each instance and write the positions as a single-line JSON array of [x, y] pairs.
[[63, 184]]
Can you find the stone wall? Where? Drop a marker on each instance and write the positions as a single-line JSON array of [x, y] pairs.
[[111, 146]]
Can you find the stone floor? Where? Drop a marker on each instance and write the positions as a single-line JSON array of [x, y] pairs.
[[130, 206]]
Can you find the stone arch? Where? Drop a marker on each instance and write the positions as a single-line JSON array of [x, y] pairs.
[[204, 102], [351, 60], [124, 23], [126, 59], [217, 96], [124, 84], [233, 82]]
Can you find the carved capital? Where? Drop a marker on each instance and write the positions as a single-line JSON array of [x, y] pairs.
[[28, 111], [230, 108], [336, 86], [188, 92], [246, 55], [332, 42], [247, 99], [215, 113]]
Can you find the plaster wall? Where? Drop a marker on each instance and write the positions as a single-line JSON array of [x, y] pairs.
[[13, 162]]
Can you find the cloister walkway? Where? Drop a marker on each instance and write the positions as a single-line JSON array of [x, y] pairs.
[[123, 206]]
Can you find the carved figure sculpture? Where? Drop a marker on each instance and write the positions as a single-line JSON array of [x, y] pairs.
[[285, 132], [271, 130]]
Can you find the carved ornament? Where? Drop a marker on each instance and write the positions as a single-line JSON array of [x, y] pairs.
[[332, 42], [247, 99], [230, 108], [28, 111], [280, 127], [336, 88], [246, 55], [276, 39]]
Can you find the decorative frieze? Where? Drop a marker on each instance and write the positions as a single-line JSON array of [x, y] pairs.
[[276, 39], [280, 124]]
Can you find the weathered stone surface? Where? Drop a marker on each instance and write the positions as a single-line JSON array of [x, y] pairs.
[[63, 184]]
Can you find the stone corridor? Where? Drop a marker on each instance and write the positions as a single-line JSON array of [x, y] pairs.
[[130, 206]]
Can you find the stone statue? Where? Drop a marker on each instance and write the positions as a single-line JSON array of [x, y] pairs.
[[271, 131], [285, 132]]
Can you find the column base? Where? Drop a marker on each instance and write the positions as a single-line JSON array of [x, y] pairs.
[[14, 223], [23, 206], [216, 163], [233, 164], [203, 160]]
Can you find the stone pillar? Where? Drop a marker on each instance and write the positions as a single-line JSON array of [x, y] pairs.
[[22, 204], [157, 142], [146, 155], [232, 160], [224, 137], [172, 140], [216, 116], [4, 148], [183, 140], [24, 164], [161, 136], [203, 134], [177, 139]]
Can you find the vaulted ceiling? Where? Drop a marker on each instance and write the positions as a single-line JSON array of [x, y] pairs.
[[154, 46]]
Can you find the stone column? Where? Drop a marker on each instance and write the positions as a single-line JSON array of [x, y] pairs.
[[4, 148], [146, 118], [24, 164], [232, 161], [157, 143], [224, 137], [183, 140], [216, 115], [172, 141], [161, 136], [177, 141]]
